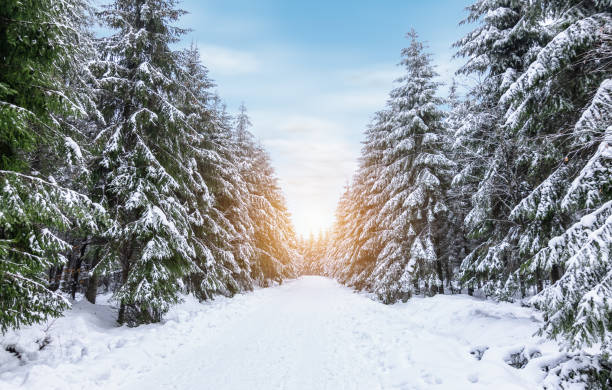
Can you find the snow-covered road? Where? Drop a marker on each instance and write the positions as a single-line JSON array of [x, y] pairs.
[[309, 333]]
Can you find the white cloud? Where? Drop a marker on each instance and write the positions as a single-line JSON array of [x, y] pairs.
[[363, 89], [372, 77], [356, 101], [312, 174], [313, 158], [308, 124], [227, 61]]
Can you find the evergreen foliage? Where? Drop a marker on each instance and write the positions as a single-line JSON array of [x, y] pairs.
[[393, 217], [119, 164], [36, 209], [554, 111], [526, 213], [186, 203], [144, 155], [275, 246]]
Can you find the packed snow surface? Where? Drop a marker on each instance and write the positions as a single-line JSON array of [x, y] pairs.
[[310, 333]]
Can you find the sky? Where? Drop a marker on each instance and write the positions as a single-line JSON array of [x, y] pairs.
[[312, 74]]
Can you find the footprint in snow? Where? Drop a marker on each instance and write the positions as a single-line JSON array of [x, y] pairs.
[[103, 377], [478, 351], [430, 378]]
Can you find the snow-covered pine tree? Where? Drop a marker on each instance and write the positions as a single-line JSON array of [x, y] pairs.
[[367, 197], [36, 207], [273, 237], [549, 107], [336, 254], [457, 244], [217, 271], [81, 129], [414, 177], [565, 234], [354, 233], [314, 253], [233, 199], [577, 307], [496, 51], [144, 156], [554, 108], [243, 124], [347, 257], [389, 221]]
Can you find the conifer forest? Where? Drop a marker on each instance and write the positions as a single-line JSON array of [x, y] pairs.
[[141, 219]]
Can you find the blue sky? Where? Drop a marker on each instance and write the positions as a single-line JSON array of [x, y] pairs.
[[312, 74]]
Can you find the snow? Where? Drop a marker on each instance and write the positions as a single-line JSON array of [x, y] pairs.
[[549, 59], [74, 148], [309, 333]]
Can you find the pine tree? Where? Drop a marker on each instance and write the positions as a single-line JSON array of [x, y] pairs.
[[217, 271], [414, 179], [565, 235], [144, 157], [496, 50], [552, 108], [314, 253], [81, 129], [516, 206], [390, 221], [37, 209], [578, 305], [273, 238], [355, 232], [540, 119]]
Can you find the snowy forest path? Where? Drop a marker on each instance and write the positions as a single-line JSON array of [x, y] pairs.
[[310, 333]]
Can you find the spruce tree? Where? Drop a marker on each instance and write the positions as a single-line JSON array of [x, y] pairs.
[[565, 231], [37, 208], [457, 244], [496, 50], [338, 253], [356, 231], [543, 228], [217, 270], [273, 239], [390, 221], [144, 157], [414, 178], [577, 307]]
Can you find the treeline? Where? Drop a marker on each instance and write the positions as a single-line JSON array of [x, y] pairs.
[[313, 251], [120, 168], [508, 192]]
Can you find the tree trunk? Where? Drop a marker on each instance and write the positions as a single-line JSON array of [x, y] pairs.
[[554, 274], [92, 288], [55, 276], [124, 277], [449, 278], [539, 281], [76, 272], [440, 290], [125, 272], [121, 317]]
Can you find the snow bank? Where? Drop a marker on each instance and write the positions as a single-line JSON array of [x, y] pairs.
[[310, 333]]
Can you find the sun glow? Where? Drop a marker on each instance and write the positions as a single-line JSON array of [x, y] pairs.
[[308, 221]]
